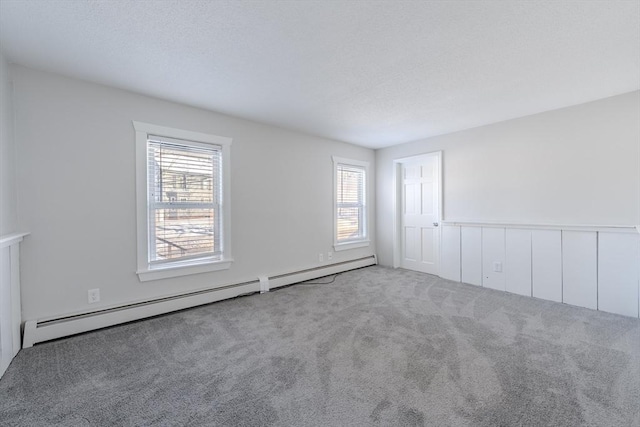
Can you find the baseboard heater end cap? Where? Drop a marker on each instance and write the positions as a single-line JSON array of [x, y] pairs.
[[28, 338], [264, 284]]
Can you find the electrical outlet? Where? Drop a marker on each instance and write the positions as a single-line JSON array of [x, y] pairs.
[[497, 267], [93, 295], [329, 256], [321, 257]]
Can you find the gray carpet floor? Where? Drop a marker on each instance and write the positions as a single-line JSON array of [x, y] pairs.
[[376, 347]]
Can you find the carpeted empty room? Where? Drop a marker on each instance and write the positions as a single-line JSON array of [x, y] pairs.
[[319, 213], [376, 346]]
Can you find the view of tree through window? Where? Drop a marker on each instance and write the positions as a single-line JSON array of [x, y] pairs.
[[184, 195], [350, 202]]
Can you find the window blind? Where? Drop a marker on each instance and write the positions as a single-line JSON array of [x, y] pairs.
[[350, 203], [184, 200]]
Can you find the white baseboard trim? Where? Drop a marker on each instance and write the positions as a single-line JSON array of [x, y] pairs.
[[36, 331]]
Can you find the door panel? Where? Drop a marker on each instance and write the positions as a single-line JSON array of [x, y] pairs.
[[421, 238], [428, 246], [411, 244], [428, 202], [410, 195]]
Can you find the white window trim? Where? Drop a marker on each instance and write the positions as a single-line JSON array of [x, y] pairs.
[[145, 271], [353, 244]]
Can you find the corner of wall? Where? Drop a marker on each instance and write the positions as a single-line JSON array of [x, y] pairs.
[[8, 195]]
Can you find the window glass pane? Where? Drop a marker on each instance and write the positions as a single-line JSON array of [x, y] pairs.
[[184, 194], [181, 233], [350, 198], [183, 175], [348, 223], [350, 182]]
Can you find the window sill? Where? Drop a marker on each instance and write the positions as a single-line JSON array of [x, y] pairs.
[[350, 245], [167, 271]]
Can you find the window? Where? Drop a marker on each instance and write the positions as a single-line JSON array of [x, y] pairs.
[[182, 195], [350, 204]]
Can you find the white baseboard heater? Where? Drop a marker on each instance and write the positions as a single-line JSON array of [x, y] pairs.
[[36, 331]]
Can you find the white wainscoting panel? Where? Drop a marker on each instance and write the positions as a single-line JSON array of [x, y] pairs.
[[618, 259], [493, 258], [471, 238], [580, 268], [518, 261], [450, 248], [546, 263], [591, 266], [10, 313], [6, 332]]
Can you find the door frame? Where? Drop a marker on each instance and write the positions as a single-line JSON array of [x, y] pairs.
[[397, 203]]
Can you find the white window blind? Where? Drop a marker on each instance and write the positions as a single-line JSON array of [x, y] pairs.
[[184, 200], [350, 203]]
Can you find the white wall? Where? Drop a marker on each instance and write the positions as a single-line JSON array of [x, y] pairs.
[[8, 218], [76, 194], [578, 166]]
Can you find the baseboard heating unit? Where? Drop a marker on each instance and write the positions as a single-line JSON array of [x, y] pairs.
[[36, 331]]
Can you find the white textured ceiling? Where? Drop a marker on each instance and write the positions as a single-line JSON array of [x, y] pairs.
[[374, 73]]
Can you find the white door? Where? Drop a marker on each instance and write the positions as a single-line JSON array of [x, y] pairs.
[[420, 215]]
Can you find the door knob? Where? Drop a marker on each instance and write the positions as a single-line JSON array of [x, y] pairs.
[[435, 224]]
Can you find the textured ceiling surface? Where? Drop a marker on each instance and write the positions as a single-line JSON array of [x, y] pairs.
[[373, 73]]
